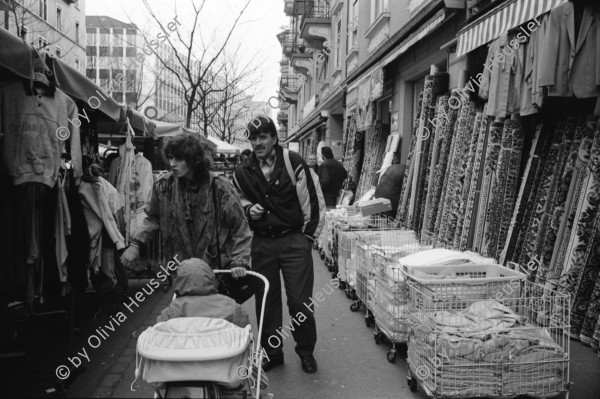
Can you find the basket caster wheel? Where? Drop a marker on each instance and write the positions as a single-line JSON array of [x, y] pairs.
[[377, 338], [349, 295], [412, 384], [368, 322], [391, 357], [354, 307], [342, 285]]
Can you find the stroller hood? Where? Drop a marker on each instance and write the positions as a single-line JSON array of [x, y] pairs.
[[193, 339], [195, 277]]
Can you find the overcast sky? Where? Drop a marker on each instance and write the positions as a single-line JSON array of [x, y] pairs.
[[261, 21]]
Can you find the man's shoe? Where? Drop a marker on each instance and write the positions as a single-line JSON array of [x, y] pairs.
[[309, 363], [272, 361]]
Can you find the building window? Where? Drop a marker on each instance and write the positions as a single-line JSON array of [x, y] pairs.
[[378, 7], [42, 42], [43, 9], [338, 42], [76, 32], [130, 37], [91, 36], [58, 52], [104, 36], [59, 22], [352, 40], [77, 63]]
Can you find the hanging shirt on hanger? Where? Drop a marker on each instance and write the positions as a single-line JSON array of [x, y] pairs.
[[34, 128]]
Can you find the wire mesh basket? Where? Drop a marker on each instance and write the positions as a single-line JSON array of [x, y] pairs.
[[508, 339]]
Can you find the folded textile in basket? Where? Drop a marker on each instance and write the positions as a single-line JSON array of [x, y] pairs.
[[442, 257]]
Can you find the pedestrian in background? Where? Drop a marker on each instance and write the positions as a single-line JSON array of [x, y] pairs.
[[311, 160], [331, 176], [246, 154], [390, 186], [286, 214]]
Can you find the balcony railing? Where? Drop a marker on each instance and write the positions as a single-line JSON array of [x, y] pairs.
[[290, 82], [312, 8]]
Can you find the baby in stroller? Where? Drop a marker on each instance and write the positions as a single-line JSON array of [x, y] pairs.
[[201, 345], [197, 295]]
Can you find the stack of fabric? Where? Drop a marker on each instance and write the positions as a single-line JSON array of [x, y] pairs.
[[486, 349]]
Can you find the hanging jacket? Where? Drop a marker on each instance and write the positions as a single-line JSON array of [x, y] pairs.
[[101, 204], [31, 128], [569, 67]]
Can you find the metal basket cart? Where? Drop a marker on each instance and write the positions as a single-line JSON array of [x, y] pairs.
[[486, 332], [339, 228], [348, 255], [369, 249]]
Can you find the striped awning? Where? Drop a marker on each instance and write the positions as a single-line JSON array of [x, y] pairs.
[[500, 20]]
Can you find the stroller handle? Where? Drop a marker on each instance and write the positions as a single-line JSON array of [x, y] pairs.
[[260, 321]]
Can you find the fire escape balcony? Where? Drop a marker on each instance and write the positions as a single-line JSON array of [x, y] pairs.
[[282, 116], [286, 38], [288, 7], [288, 88], [316, 26], [290, 83]]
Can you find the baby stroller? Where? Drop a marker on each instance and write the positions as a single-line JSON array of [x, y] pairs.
[[202, 357]]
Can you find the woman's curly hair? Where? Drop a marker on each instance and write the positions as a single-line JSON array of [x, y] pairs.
[[187, 147]]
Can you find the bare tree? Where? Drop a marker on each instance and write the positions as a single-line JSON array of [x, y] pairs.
[[235, 93], [200, 65]]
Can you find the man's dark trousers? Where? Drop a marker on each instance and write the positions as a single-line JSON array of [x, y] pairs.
[[292, 254]]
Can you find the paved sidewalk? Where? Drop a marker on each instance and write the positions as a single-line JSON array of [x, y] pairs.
[[351, 365]]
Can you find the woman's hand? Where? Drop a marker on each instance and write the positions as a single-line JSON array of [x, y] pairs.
[[238, 272], [130, 256]]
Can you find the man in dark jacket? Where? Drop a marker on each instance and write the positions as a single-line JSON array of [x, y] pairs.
[[286, 214], [331, 176], [390, 186]]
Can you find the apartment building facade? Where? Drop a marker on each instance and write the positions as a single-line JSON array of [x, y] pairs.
[[56, 26], [362, 59]]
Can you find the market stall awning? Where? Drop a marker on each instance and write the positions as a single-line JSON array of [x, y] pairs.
[[16, 55], [166, 129], [77, 85], [499, 20], [224, 147], [140, 122]]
